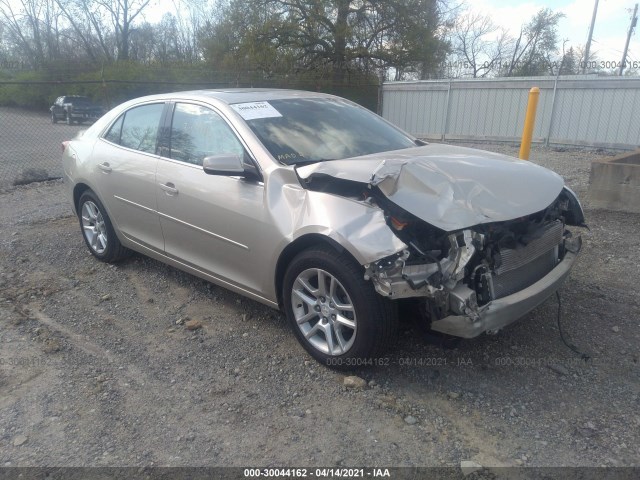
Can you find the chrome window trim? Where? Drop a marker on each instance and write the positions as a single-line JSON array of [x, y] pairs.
[[106, 129], [221, 114]]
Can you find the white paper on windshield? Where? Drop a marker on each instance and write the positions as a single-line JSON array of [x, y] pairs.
[[253, 110]]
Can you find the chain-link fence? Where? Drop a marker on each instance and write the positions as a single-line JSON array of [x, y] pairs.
[[31, 142], [30, 146]]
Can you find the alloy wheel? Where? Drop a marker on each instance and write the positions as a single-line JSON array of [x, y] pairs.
[[324, 311], [93, 227]]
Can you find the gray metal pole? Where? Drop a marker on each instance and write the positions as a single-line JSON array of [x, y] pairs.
[[587, 50], [445, 126], [634, 21], [553, 110]]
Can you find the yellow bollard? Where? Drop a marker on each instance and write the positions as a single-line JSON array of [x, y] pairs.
[[529, 123]]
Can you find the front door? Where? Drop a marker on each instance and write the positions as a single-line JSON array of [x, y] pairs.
[[209, 221]]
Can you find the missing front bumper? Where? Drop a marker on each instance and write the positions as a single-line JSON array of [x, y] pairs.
[[504, 311]]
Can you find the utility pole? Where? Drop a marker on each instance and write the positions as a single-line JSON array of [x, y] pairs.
[[634, 21], [588, 48]]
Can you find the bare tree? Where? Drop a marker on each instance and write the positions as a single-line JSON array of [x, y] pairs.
[[537, 40], [122, 14], [191, 17], [105, 24], [145, 44], [32, 26], [479, 44], [88, 28]]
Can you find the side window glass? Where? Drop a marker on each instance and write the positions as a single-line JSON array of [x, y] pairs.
[[140, 127], [113, 135], [198, 132]]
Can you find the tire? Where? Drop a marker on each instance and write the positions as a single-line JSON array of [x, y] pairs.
[[54, 119], [358, 336], [97, 230]]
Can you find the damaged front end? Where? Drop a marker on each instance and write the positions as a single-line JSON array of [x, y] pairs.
[[485, 235], [482, 278]]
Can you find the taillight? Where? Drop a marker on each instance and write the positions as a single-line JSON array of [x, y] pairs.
[[64, 146]]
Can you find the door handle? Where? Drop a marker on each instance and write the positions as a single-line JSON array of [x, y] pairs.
[[105, 167], [169, 187]]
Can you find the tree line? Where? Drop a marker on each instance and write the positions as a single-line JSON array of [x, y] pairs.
[[321, 42]]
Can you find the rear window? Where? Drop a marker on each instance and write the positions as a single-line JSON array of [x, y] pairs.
[[137, 128]]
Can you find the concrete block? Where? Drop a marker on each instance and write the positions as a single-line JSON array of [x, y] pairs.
[[614, 183]]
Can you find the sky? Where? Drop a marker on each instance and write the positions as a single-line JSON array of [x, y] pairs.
[[610, 32]]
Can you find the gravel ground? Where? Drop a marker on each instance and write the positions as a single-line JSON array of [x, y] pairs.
[[98, 368]]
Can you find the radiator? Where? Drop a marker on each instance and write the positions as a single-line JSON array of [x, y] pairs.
[[523, 266]]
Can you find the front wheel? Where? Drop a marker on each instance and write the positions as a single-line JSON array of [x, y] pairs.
[[98, 231], [336, 315], [54, 119]]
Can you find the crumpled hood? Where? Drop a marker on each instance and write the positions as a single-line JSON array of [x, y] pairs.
[[450, 187]]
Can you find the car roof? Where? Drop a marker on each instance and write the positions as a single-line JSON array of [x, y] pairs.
[[242, 95]]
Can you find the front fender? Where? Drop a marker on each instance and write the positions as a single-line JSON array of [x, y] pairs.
[[356, 226], [359, 228]]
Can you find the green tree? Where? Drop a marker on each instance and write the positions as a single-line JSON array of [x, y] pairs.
[[237, 40], [335, 36], [569, 63]]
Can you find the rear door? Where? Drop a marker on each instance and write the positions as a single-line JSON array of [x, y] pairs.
[[125, 160]]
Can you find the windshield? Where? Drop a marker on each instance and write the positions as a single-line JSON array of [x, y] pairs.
[[307, 130]]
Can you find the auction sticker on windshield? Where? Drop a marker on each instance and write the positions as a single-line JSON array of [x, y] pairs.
[[253, 110]]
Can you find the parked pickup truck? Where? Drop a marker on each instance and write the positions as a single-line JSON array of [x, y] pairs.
[[75, 108]]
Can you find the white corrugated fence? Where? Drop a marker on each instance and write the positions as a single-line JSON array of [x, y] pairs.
[[584, 111]]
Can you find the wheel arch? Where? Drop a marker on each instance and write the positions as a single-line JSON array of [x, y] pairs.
[[294, 248], [78, 190], [83, 186]]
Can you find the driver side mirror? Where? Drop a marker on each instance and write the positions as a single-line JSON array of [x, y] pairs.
[[231, 165], [226, 164]]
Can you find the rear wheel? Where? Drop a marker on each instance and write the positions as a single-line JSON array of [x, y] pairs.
[[336, 315], [98, 231]]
